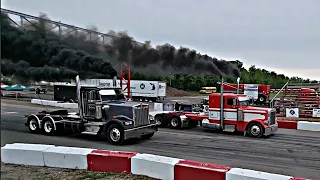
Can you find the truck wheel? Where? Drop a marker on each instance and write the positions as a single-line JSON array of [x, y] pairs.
[[262, 99], [115, 134], [255, 130], [160, 121], [175, 123], [147, 136], [48, 127], [33, 125], [192, 123]]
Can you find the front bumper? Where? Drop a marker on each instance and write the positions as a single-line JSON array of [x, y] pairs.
[[139, 131], [271, 129]]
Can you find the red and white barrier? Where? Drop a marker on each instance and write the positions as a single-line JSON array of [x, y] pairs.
[[66, 157], [159, 167], [110, 161], [246, 174], [190, 170], [308, 126], [26, 154], [299, 125], [155, 166]]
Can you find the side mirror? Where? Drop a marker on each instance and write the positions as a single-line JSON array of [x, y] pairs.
[[106, 107]]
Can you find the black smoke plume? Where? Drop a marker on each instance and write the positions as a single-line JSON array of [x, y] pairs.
[[39, 58], [47, 56]]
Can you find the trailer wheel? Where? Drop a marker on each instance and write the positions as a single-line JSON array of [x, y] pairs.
[[33, 125], [147, 136], [175, 123], [48, 127], [255, 130], [115, 134]]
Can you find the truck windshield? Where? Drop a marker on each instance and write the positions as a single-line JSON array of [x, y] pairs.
[[244, 103], [111, 95]]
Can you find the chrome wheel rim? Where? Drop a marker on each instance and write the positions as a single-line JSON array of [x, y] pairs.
[[174, 122], [115, 134], [33, 124], [255, 130], [48, 126], [158, 120]]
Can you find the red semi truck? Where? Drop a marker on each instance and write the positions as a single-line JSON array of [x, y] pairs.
[[262, 91], [230, 112]]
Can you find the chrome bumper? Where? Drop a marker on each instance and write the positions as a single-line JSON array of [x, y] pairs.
[[271, 129], [139, 131]]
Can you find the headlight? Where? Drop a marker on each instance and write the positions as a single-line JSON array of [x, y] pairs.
[[127, 123], [151, 118]]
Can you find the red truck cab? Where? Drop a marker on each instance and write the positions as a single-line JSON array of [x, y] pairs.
[[237, 116]]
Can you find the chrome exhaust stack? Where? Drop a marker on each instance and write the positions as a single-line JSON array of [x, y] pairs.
[[221, 106]]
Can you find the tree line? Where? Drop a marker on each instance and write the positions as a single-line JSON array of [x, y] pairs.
[[37, 51]]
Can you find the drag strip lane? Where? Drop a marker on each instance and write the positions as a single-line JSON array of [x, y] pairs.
[[288, 152]]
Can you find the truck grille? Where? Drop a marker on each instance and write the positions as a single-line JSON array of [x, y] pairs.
[[272, 117], [141, 115]]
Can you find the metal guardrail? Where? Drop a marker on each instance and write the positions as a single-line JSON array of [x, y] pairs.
[[272, 100]]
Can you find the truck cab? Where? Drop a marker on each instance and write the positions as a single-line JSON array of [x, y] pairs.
[[239, 116], [101, 110], [231, 112]]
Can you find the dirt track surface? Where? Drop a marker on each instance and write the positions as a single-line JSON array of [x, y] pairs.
[[289, 152], [17, 172]]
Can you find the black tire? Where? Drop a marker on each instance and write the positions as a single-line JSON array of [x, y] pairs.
[[262, 99], [255, 130], [33, 125], [161, 120], [147, 136], [192, 123], [175, 123], [48, 127], [115, 134]]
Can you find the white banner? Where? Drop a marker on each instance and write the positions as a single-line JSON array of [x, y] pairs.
[[251, 90], [292, 112], [316, 113]]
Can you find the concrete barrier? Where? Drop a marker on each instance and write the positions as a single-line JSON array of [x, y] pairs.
[[66, 157], [110, 161], [26, 154], [159, 167], [190, 170], [287, 124], [154, 166], [246, 174], [308, 126]]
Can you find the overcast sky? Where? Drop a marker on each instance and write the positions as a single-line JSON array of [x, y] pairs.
[[280, 35]]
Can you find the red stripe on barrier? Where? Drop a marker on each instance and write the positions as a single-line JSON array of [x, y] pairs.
[[191, 170], [299, 178], [110, 161], [287, 124]]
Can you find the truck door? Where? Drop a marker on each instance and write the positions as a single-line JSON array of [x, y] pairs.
[[230, 108], [89, 103]]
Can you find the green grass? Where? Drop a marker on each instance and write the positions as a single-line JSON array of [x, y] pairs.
[[273, 94]]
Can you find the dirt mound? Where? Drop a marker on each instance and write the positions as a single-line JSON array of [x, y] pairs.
[[176, 92]]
